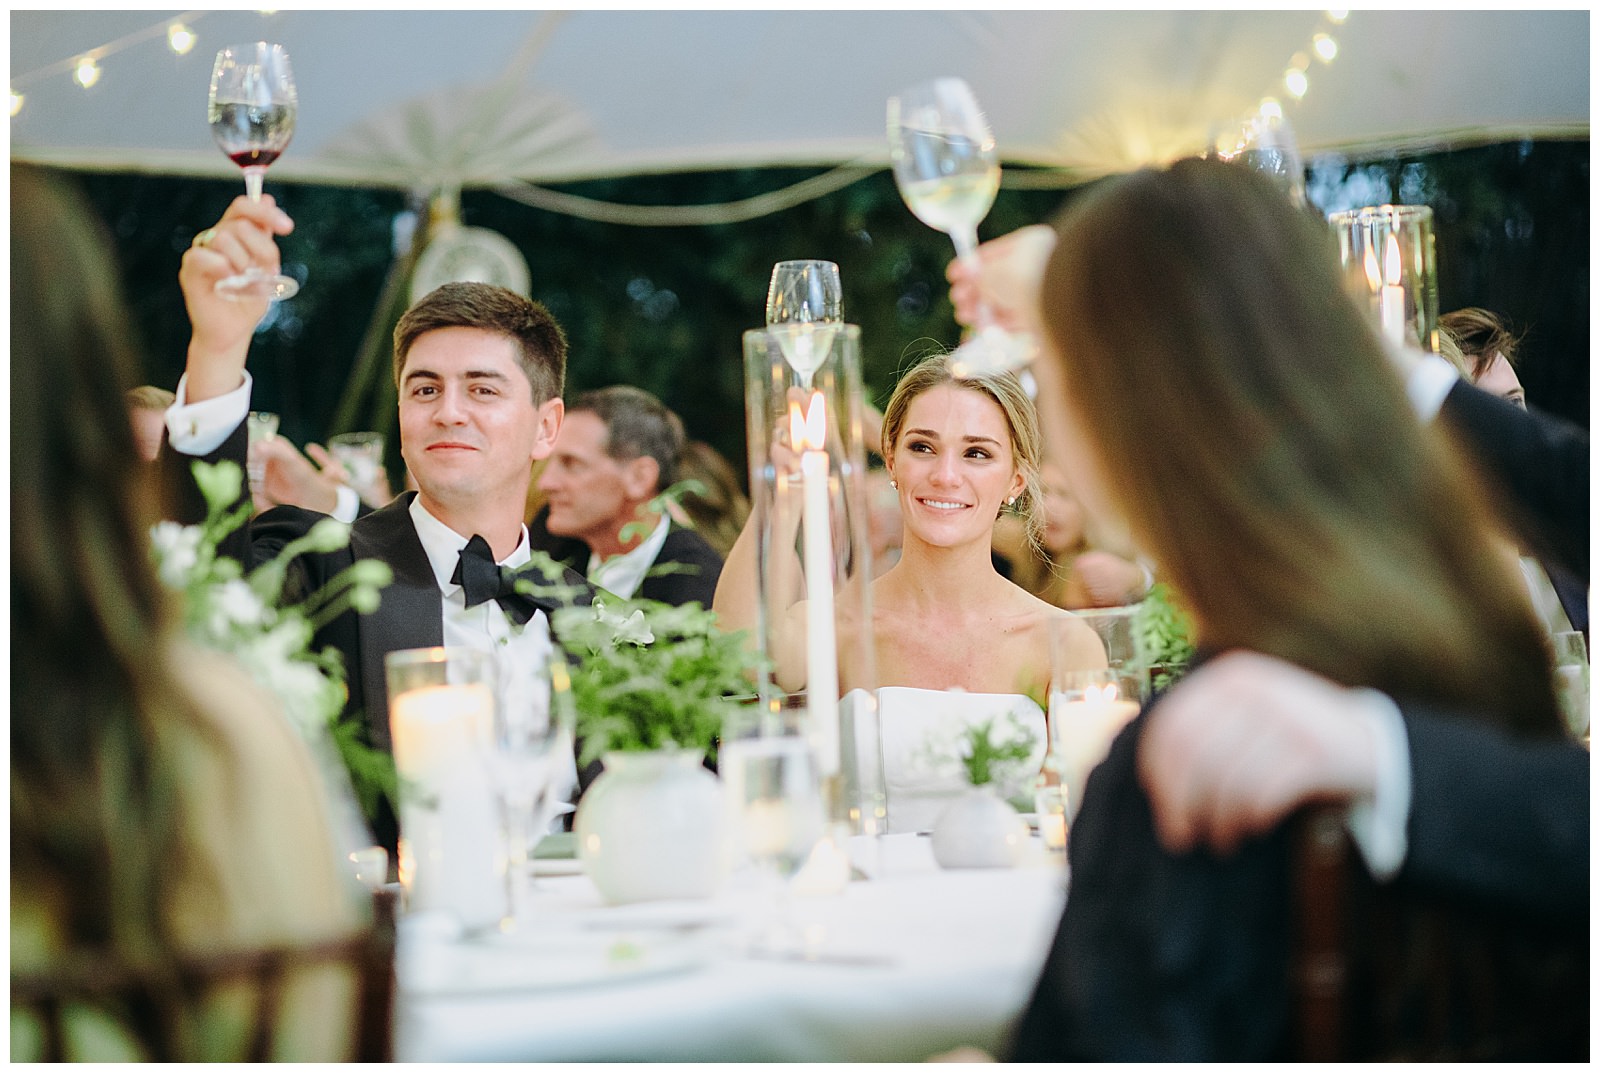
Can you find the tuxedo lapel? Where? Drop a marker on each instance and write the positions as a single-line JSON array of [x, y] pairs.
[[410, 613]]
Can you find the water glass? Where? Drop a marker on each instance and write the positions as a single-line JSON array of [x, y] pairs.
[[773, 791]]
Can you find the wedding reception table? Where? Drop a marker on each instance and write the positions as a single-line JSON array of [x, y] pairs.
[[911, 962]]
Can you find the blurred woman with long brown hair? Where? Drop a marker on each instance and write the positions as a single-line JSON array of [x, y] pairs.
[[1208, 381], [162, 806]]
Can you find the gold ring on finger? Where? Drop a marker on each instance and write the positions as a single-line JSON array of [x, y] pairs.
[[204, 238]]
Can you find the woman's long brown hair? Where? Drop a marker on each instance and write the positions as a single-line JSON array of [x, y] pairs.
[[1261, 446]]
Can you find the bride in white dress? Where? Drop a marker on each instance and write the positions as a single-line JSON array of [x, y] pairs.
[[959, 452]]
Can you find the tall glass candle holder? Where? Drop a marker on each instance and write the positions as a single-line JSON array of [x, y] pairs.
[[441, 718], [808, 492], [1388, 257]]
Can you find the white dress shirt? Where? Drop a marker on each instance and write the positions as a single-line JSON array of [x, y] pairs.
[[622, 574]]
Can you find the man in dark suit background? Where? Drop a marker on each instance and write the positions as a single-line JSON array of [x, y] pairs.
[[618, 449], [479, 371]]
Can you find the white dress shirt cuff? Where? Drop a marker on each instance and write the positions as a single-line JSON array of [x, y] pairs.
[[347, 505], [1377, 824], [199, 428], [1428, 383]]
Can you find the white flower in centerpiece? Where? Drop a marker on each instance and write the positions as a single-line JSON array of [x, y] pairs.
[[177, 552], [233, 604], [289, 637], [632, 629]]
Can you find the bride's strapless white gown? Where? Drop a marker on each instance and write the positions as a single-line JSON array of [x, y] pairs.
[[921, 733]]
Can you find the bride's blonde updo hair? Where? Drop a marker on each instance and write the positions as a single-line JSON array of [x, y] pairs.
[[1008, 393]]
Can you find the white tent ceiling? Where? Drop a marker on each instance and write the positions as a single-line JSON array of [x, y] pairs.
[[422, 99]]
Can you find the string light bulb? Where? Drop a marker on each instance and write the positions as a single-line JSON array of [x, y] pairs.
[[16, 102], [1338, 17], [1325, 47], [1270, 108], [86, 72], [180, 38], [1294, 80]]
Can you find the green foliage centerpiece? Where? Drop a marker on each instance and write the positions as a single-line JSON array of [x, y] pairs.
[[650, 682], [248, 617]]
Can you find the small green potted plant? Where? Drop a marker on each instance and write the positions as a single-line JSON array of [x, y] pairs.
[[980, 829], [650, 683]]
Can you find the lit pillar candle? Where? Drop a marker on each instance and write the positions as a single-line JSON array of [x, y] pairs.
[[447, 814], [1087, 723], [809, 434], [1391, 295], [434, 728]]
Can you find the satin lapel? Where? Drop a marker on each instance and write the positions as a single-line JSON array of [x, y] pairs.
[[410, 613]]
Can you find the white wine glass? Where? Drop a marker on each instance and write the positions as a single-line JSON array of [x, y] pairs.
[[252, 111], [770, 775], [530, 746], [948, 173], [805, 306]]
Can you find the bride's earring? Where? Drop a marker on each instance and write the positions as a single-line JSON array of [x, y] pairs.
[[894, 484]]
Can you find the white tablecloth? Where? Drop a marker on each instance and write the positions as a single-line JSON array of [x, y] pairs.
[[940, 959]]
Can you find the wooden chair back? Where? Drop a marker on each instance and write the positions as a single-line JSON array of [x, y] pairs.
[[1384, 972], [155, 1004]]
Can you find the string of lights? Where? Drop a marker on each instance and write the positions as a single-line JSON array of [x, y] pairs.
[[84, 67], [1324, 49]]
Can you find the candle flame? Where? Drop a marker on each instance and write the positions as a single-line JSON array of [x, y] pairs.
[[1391, 262], [1369, 263], [1103, 694], [809, 432]]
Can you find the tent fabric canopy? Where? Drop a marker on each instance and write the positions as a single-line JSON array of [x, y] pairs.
[[424, 100]]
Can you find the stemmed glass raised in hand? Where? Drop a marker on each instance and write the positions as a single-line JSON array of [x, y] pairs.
[[251, 112], [805, 306], [948, 173]]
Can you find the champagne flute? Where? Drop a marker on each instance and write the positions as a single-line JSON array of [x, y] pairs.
[[948, 173], [251, 112], [805, 306]]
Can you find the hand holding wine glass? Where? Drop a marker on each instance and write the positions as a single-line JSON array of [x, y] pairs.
[[805, 305], [948, 173], [251, 110]]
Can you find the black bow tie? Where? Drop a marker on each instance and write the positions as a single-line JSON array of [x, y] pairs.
[[481, 578]]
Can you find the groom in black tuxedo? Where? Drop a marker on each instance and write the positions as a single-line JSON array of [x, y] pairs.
[[479, 371]]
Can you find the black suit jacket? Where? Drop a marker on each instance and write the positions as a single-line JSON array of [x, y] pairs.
[[693, 579], [1540, 462], [410, 612], [1186, 958]]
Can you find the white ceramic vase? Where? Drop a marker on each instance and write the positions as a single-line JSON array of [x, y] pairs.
[[653, 827], [979, 830]]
